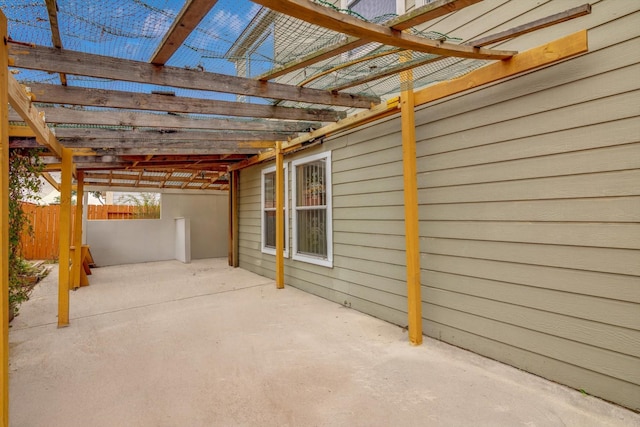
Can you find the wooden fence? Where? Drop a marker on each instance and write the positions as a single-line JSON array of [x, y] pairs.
[[44, 243]]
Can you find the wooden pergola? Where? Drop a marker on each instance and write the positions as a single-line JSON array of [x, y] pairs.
[[159, 140]]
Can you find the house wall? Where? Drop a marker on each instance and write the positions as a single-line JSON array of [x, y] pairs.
[[529, 208], [115, 242]]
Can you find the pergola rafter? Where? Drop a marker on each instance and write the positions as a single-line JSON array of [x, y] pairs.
[[187, 20], [48, 93], [417, 16], [346, 24], [105, 117], [98, 66]]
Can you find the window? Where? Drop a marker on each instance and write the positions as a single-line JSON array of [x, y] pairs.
[[269, 211], [312, 229]]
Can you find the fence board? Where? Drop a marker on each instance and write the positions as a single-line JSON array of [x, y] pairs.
[[44, 243]]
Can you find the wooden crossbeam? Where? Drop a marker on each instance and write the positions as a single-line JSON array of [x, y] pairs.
[[52, 10], [549, 53], [86, 165], [79, 135], [190, 179], [212, 147], [85, 64], [484, 41], [175, 150], [390, 107], [167, 177], [346, 24], [546, 54], [47, 176], [16, 131], [529, 27], [31, 142], [222, 158], [187, 20], [142, 101], [415, 17], [20, 100], [165, 121]]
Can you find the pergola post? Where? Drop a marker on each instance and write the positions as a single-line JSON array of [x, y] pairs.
[[279, 215], [4, 224], [233, 189], [77, 233], [65, 238], [230, 222], [411, 222]]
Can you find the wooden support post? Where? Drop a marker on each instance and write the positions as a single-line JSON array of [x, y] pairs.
[[4, 224], [77, 234], [230, 223], [236, 226], [65, 237], [279, 215], [411, 222]]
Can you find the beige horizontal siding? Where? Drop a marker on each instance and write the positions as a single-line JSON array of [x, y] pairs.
[[591, 382], [606, 235], [552, 335], [592, 136], [530, 212], [602, 310], [613, 209], [579, 282]]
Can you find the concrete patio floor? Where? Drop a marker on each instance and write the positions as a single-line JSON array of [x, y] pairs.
[[202, 344]]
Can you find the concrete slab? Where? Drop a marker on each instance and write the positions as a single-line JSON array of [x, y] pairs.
[[201, 344]]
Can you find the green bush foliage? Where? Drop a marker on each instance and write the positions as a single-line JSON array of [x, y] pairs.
[[25, 167]]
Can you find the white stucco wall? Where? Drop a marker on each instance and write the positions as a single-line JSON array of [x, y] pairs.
[[116, 242]]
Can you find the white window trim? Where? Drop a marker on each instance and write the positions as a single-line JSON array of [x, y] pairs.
[[328, 261], [265, 249]]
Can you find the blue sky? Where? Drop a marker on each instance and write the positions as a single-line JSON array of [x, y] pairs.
[[133, 29]]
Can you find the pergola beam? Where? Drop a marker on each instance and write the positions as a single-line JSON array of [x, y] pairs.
[[484, 41], [529, 27], [176, 151], [152, 147], [20, 100], [48, 93], [209, 176], [62, 115], [346, 24], [98, 66], [68, 135], [210, 146], [422, 14], [187, 20]]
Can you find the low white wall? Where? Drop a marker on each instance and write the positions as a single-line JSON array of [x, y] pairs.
[[116, 242]]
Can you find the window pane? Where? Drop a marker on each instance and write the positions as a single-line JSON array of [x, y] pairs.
[[311, 181], [312, 238], [270, 190], [270, 229]]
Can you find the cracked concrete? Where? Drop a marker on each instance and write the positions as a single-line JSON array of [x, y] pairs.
[[202, 344]]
